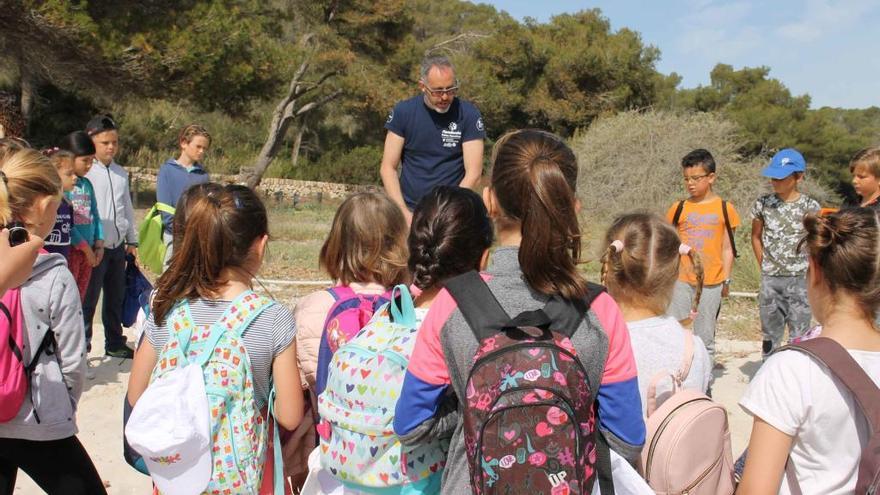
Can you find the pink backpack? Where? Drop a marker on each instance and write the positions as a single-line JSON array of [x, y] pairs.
[[687, 449], [350, 313]]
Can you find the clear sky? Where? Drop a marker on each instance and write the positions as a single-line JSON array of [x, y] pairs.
[[829, 49]]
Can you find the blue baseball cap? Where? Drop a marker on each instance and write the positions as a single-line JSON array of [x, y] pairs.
[[785, 163]]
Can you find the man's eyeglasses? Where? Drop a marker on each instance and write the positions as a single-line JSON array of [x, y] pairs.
[[442, 91], [695, 178]]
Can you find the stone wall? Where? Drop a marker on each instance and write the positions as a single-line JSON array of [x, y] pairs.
[[278, 189]]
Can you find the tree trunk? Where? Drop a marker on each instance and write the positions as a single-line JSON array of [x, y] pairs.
[[28, 91], [297, 143]]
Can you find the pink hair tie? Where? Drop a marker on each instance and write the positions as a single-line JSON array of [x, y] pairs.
[[684, 249], [617, 245], [693, 315]]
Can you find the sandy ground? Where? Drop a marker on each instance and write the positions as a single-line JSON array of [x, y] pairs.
[[100, 412]]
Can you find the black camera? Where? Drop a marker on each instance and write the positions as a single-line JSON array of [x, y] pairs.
[[17, 233]]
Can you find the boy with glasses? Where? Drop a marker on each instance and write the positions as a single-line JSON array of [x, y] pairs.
[[706, 223], [437, 137]]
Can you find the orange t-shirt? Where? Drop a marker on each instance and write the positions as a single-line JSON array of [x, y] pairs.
[[701, 226]]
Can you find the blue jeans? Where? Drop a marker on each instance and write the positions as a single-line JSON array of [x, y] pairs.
[[109, 275]]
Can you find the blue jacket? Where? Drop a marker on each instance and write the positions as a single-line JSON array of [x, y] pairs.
[[172, 181]]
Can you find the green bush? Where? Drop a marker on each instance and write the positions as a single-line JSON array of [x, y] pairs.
[[356, 166]]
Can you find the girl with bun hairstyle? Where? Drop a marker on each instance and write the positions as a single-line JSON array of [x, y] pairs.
[[808, 431]]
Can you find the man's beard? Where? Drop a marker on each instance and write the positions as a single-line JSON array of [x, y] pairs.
[[434, 108]]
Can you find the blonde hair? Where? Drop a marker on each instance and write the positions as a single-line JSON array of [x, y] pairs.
[[367, 242], [867, 158], [641, 261], [192, 130], [26, 176]]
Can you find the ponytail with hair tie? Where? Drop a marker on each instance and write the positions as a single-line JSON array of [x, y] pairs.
[[697, 264], [611, 259]]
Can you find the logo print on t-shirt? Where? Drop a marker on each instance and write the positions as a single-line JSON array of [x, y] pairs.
[[451, 136], [390, 117], [480, 124]]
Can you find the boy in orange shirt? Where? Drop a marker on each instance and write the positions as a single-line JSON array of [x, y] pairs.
[[706, 223]]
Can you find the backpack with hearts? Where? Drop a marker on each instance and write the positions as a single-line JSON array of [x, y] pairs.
[[357, 440]]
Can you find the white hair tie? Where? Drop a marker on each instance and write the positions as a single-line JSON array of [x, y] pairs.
[[617, 245], [684, 249]]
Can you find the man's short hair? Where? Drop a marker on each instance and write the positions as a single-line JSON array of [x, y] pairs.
[[699, 157], [434, 61]]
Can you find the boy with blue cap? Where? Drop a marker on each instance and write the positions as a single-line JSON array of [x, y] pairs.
[[777, 227]]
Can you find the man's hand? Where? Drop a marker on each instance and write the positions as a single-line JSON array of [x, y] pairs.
[[725, 288], [17, 262], [132, 250]]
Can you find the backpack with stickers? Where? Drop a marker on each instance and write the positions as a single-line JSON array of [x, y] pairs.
[[15, 375], [357, 440], [530, 422], [205, 368]]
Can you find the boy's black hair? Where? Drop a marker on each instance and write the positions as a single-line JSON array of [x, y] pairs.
[[79, 143], [699, 157]]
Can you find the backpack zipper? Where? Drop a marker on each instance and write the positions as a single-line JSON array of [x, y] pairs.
[[659, 432], [516, 347], [705, 473]]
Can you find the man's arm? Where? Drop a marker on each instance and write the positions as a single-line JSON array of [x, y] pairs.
[[472, 152], [757, 244], [388, 171]]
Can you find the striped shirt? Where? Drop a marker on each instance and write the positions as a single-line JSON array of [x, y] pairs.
[[267, 336]]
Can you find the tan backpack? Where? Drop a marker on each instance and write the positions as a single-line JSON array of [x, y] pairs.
[[687, 449]]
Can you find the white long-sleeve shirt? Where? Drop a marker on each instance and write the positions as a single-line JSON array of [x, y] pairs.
[[114, 203]]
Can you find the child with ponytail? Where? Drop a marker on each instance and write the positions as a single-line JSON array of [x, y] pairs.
[[640, 267], [38, 431], [809, 430], [206, 289], [532, 202]]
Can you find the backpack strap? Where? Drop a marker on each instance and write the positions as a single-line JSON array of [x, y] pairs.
[[478, 305], [728, 228], [180, 325], [677, 378], [341, 292], [277, 456], [402, 308], [848, 371], [486, 317], [237, 317], [165, 208], [677, 216]]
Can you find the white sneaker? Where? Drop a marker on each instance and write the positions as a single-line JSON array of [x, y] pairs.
[[90, 372]]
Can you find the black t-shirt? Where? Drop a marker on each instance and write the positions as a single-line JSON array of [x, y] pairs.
[[432, 152]]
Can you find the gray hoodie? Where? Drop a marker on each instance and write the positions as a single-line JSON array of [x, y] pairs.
[[50, 301]]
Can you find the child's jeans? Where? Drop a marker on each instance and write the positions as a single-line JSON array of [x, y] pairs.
[[783, 301], [81, 270]]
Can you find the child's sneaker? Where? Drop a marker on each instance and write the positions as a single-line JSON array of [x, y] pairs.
[[90, 372], [123, 352]]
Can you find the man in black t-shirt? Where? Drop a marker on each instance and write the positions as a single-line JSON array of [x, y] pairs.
[[437, 137]]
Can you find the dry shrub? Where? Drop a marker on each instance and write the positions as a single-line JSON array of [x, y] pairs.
[[632, 161]]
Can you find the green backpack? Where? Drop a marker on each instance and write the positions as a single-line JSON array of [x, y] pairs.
[[151, 245]]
